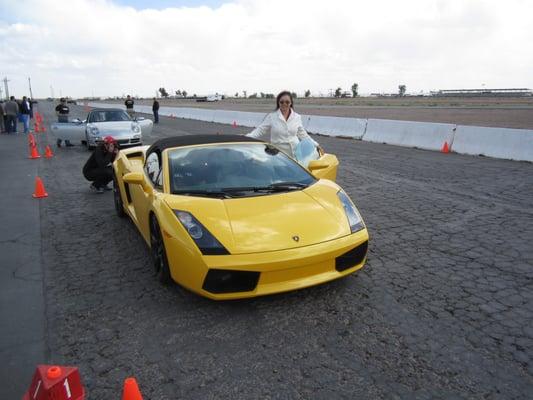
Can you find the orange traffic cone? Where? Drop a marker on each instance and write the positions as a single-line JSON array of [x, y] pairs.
[[234, 124], [445, 148], [39, 189], [37, 127], [131, 390], [48, 151], [34, 153], [31, 140]]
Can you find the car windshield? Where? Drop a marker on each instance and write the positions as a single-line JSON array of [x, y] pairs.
[[108, 116], [234, 170]]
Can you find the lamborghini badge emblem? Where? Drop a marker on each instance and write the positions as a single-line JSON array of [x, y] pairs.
[[296, 238]]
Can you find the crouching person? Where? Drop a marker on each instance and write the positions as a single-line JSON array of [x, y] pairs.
[[98, 169]]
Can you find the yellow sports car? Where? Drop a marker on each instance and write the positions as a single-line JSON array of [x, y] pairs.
[[229, 217]]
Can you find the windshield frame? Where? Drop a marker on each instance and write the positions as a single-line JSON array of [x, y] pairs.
[[167, 182], [93, 112]]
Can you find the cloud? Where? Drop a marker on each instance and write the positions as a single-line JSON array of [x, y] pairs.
[[95, 46]]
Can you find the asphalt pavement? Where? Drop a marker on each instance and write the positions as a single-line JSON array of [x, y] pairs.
[[442, 310]]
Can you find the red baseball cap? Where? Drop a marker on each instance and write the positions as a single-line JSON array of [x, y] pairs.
[[110, 140]]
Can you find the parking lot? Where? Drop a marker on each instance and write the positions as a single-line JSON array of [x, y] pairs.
[[443, 308]]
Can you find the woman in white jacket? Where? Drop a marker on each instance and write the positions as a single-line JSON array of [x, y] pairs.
[[283, 127]]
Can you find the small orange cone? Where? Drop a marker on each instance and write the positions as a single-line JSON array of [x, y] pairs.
[[39, 189], [34, 153], [234, 124], [37, 127], [445, 148], [31, 140], [131, 390], [48, 151]]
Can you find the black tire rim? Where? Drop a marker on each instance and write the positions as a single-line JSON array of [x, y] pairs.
[[157, 247], [116, 196]]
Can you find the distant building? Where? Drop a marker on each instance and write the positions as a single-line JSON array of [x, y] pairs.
[[512, 92]]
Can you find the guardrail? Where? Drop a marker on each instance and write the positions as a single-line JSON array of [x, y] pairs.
[[513, 144]]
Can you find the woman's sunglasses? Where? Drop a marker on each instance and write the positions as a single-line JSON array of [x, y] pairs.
[[285, 102]]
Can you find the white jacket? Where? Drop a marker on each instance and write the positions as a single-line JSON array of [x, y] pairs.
[[284, 134]]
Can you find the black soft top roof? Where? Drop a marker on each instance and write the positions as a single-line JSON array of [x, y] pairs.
[[191, 140]]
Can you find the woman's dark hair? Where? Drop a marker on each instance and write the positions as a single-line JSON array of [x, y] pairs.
[[284, 93]]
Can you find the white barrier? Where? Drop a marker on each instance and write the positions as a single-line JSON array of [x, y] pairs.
[[423, 135], [250, 119], [512, 144], [335, 126]]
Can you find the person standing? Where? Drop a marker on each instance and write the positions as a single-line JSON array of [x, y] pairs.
[[283, 127], [129, 106], [62, 111], [11, 109], [2, 118], [25, 109], [155, 110], [98, 169]]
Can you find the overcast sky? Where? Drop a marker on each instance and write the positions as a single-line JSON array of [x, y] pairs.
[[102, 47]]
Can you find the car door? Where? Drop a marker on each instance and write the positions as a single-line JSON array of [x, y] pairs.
[[74, 131], [143, 195]]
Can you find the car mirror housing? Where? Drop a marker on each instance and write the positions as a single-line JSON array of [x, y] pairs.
[[135, 178], [140, 119], [316, 165]]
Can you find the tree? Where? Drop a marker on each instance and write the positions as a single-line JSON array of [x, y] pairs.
[[401, 90], [269, 95], [178, 92], [163, 92], [307, 93], [184, 93], [253, 96], [244, 93], [236, 94], [338, 92], [294, 95], [355, 88], [262, 95]]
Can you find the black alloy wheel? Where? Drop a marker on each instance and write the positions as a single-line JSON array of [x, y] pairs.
[[117, 198], [159, 254]]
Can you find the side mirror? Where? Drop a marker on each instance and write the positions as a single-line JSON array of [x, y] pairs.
[[134, 178], [140, 119], [137, 178], [316, 165], [76, 121]]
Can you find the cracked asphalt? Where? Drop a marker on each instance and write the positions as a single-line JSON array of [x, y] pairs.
[[442, 310]]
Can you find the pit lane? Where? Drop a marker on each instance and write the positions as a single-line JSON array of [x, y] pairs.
[[443, 308]]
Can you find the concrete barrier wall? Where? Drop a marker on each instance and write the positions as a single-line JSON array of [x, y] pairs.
[[512, 144], [423, 135], [335, 126]]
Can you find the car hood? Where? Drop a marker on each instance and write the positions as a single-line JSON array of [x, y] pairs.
[[114, 128], [272, 222]]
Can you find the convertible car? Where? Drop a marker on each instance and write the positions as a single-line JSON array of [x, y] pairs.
[[228, 216], [102, 122]]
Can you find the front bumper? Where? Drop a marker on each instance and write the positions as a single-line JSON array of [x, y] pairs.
[[122, 142], [278, 271]]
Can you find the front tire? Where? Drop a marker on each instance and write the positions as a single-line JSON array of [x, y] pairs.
[[159, 253], [117, 198]]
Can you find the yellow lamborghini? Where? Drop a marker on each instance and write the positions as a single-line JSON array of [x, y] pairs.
[[229, 217]]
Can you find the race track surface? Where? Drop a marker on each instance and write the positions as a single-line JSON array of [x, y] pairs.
[[443, 308]]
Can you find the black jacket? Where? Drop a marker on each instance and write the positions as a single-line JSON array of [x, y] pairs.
[[155, 106], [25, 107], [99, 159]]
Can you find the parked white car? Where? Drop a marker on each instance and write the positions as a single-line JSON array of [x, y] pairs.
[[102, 122]]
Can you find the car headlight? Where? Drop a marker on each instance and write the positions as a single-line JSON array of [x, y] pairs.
[[135, 127], [354, 219], [205, 241], [137, 136], [93, 130]]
